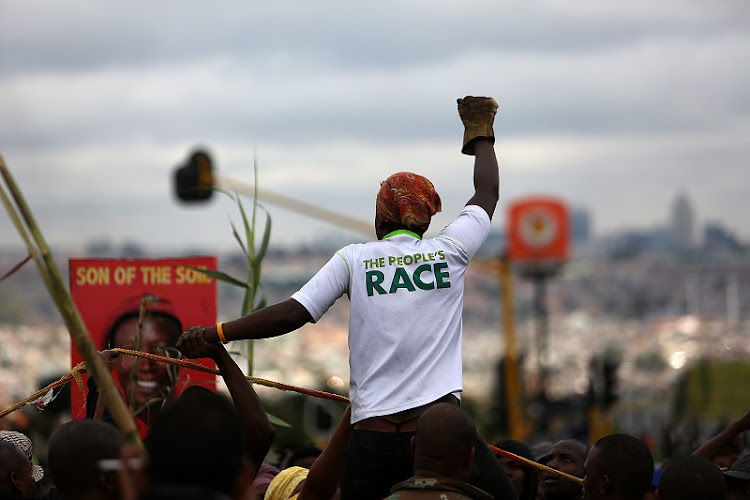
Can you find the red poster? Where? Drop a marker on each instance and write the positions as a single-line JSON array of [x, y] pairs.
[[108, 293], [538, 229]]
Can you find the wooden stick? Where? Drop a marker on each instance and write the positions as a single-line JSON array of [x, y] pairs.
[[535, 465], [255, 380], [38, 394], [72, 318], [277, 385]]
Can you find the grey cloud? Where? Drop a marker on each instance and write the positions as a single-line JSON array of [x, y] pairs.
[[316, 72], [84, 34], [646, 96]]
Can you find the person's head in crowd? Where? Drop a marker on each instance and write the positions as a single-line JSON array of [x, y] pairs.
[[738, 479], [524, 478], [652, 494], [443, 445], [566, 456], [197, 442], [263, 478], [541, 449], [15, 473], [77, 453], [23, 443], [618, 466], [691, 477], [287, 483], [161, 329], [300, 456], [405, 201]]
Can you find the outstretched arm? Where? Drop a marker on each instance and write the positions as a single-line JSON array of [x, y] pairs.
[[478, 115], [270, 321]]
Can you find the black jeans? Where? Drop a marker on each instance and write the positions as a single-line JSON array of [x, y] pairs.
[[375, 461]]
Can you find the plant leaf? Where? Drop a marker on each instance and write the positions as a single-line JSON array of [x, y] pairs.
[[266, 236], [262, 302], [239, 240], [219, 276], [277, 421], [249, 236], [224, 191]]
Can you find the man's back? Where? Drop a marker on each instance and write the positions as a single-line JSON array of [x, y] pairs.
[[406, 298]]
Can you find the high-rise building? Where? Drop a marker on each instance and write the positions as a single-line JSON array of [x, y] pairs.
[[683, 222], [580, 225]]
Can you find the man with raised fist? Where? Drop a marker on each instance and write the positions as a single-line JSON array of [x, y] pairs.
[[406, 295]]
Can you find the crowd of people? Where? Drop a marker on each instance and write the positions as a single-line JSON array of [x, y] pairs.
[[205, 445], [404, 434]]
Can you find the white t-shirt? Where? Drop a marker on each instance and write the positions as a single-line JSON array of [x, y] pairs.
[[406, 298]]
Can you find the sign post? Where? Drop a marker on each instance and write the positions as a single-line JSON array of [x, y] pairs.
[[538, 246]]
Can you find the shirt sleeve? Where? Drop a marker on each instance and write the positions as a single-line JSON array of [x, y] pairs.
[[323, 289], [469, 230]]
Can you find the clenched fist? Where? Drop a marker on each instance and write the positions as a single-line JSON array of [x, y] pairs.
[[478, 116]]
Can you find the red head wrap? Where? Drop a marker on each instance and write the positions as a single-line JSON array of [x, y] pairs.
[[408, 199]]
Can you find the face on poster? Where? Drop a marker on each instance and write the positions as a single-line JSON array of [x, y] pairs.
[[108, 294]]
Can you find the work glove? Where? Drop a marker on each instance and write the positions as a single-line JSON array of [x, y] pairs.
[[477, 115]]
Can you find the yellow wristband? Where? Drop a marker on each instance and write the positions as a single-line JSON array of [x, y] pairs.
[[220, 331]]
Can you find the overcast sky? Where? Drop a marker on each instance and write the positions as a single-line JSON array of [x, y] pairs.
[[615, 107]]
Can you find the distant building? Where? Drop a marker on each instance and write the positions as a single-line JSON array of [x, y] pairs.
[[580, 225], [628, 244], [682, 222], [717, 237]]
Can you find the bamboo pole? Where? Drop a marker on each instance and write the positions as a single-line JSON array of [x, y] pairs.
[[72, 318], [536, 465]]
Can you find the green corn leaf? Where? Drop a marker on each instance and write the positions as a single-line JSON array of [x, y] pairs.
[[239, 240], [255, 191], [277, 421], [249, 234], [224, 191], [219, 276], [266, 236]]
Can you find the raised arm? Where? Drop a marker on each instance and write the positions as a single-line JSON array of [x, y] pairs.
[[478, 116], [323, 479], [729, 439], [258, 431], [486, 177]]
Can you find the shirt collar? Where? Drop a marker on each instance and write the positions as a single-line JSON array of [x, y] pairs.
[[402, 231]]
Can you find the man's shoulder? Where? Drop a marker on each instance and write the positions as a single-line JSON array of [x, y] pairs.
[[442, 487]]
